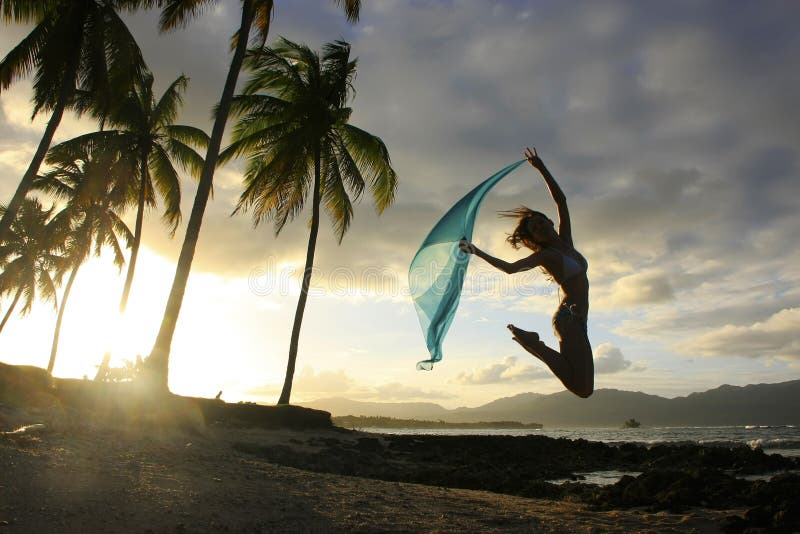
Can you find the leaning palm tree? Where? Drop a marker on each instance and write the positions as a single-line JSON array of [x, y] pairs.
[[29, 257], [145, 128], [74, 45], [96, 192], [177, 13], [294, 129]]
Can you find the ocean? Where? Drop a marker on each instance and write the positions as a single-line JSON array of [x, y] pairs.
[[784, 439]]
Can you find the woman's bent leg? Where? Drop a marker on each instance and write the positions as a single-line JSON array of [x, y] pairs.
[[551, 358], [574, 365], [582, 365]]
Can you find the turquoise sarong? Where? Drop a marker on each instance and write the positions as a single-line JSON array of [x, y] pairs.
[[436, 274]]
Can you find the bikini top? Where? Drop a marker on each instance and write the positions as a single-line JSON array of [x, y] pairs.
[[572, 267]]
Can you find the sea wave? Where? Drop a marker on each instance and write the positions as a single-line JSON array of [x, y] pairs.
[[774, 443]]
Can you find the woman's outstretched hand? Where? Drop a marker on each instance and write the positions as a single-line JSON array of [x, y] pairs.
[[466, 246], [533, 158]]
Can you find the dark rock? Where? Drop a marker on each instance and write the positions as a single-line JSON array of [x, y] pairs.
[[369, 444]]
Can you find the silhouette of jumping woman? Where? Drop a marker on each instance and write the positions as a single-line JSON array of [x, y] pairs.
[[554, 252]]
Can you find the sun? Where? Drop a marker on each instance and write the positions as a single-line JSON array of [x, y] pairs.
[[92, 324], [221, 343]]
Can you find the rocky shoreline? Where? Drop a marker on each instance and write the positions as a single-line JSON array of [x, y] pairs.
[[673, 478], [80, 454]]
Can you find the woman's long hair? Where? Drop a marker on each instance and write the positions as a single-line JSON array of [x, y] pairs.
[[521, 235]]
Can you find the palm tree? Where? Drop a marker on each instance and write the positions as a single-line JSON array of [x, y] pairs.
[[75, 44], [96, 192], [29, 257], [146, 129], [294, 129], [177, 13]]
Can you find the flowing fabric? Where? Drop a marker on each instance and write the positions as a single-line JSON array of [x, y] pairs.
[[437, 271]]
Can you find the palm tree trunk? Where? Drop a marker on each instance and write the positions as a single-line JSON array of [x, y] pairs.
[[61, 308], [67, 85], [10, 309], [137, 236], [301, 302], [156, 368]]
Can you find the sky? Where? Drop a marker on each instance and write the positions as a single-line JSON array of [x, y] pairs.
[[672, 127]]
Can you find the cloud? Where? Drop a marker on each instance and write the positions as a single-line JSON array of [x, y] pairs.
[[394, 391], [665, 127], [635, 290], [777, 336], [509, 371], [14, 160], [323, 382], [311, 384], [609, 359]]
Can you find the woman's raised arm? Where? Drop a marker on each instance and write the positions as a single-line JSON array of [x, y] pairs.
[[564, 225], [525, 264]]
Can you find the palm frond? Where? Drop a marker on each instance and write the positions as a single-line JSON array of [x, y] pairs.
[[292, 102], [186, 156], [291, 199], [28, 284], [126, 65], [22, 59], [263, 12], [54, 183], [271, 71], [166, 110], [268, 179], [250, 139], [167, 183], [351, 174], [370, 154], [178, 13], [339, 72], [188, 135], [79, 148], [47, 287], [26, 11], [337, 202], [352, 8]]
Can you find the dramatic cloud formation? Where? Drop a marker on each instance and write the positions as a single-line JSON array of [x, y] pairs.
[[609, 359], [322, 382], [508, 371], [671, 127], [310, 384], [638, 289], [777, 336], [395, 391]]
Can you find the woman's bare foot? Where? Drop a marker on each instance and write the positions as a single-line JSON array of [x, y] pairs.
[[529, 340]]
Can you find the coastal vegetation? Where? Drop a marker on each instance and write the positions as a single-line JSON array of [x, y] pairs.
[[81, 54], [256, 17], [92, 185], [294, 128]]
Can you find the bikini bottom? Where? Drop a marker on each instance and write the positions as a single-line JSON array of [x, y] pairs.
[[567, 312]]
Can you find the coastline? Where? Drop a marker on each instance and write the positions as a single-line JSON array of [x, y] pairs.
[[87, 477], [82, 456]]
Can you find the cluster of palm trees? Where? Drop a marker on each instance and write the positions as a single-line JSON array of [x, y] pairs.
[[292, 127]]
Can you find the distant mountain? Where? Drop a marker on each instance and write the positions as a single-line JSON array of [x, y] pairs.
[[401, 410], [755, 404]]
